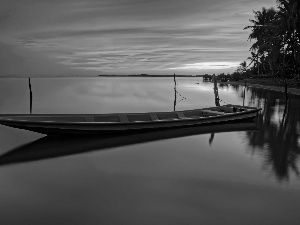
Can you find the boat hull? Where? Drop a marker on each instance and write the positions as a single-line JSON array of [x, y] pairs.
[[68, 124]]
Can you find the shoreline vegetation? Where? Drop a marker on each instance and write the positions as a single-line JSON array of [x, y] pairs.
[[275, 52]]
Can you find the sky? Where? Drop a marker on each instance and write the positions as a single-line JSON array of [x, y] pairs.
[[94, 37]]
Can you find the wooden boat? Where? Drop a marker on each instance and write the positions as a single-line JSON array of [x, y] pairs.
[[125, 122], [58, 146]]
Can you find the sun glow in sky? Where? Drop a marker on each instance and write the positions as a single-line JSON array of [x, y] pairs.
[[208, 66], [82, 38]]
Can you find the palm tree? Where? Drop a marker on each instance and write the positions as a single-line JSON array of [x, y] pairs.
[[262, 28], [277, 38], [265, 32], [296, 16], [289, 18], [243, 66], [254, 59]]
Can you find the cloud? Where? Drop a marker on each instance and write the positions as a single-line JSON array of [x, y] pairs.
[[114, 36]]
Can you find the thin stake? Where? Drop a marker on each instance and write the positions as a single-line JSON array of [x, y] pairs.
[[175, 93], [30, 95], [217, 99]]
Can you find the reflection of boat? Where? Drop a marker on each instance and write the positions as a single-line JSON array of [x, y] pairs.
[[112, 123], [56, 146]]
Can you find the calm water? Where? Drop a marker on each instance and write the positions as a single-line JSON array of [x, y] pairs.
[[250, 176]]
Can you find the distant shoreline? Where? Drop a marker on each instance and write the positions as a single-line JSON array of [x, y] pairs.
[[186, 76], [150, 76]]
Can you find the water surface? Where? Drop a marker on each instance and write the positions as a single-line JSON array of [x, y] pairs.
[[238, 177]]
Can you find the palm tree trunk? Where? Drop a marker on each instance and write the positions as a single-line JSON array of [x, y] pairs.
[[257, 66]]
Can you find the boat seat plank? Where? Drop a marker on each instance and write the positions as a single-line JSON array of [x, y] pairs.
[[107, 118], [181, 115], [167, 115], [238, 106], [140, 117], [123, 118], [214, 112], [89, 119], [226, 109], [153, 117]]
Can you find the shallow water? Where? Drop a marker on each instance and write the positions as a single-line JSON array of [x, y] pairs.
[[238, 177]]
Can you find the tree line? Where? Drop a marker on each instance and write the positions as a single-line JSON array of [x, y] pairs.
[[275, 38]]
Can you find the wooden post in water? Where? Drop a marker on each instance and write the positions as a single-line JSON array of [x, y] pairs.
[[217, 99], [285, 91], [30, 95], [217, 102], [244, 94], [284, 113], [175, 92]]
